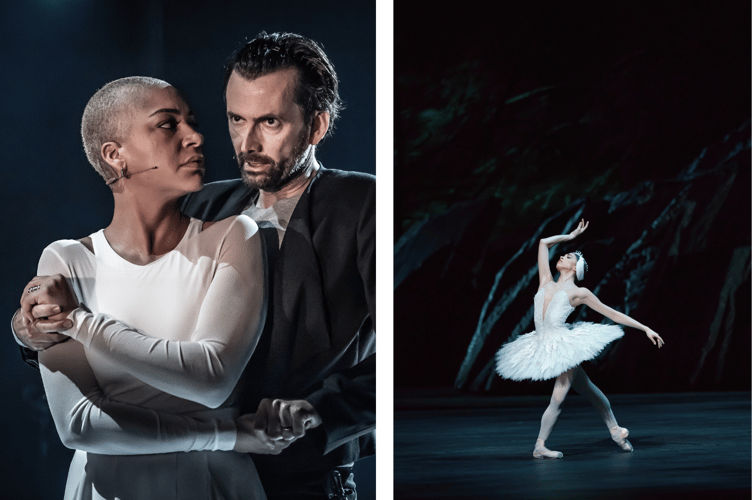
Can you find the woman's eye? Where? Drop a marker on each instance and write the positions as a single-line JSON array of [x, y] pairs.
[[169, 125]]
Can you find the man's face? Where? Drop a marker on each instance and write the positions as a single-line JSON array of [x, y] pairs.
[[162, 133], [272, 143]]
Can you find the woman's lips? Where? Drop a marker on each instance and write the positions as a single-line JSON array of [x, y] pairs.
[[196, 160]]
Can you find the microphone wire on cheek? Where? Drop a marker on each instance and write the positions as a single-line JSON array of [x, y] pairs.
[[125, 175]]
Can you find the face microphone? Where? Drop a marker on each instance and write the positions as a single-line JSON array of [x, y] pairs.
[[125, 175]]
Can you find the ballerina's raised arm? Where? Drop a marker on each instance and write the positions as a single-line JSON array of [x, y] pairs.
[[544, 269]]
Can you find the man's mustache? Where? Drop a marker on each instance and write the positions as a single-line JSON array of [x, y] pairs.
[[253, 158]]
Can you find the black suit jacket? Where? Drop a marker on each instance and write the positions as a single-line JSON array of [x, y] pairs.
[[319, 339]]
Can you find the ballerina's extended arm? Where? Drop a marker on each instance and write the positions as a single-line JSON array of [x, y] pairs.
[[544, 269], [588, 298]]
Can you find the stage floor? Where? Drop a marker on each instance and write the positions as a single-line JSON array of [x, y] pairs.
[[687, 445]]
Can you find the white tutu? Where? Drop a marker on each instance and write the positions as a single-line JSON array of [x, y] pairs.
[[554, 347]]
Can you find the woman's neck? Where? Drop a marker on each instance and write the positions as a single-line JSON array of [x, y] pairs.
[[565, 277], [142, 230]]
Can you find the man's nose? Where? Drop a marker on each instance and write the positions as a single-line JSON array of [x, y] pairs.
[[251, 142]]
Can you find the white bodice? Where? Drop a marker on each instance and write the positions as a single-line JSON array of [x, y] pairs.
[[556, 313]]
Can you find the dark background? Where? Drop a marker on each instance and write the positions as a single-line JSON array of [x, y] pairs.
[[510, 117], [55, 54]]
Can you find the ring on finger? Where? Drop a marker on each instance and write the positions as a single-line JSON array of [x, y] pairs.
[[33, 288], [287, 434]]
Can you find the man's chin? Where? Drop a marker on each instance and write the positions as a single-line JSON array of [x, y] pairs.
[[270, 182], [254, 181]]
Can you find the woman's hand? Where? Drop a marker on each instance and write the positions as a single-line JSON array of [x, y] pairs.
[[253, 440], [654, 337], [47, 298], [579, 229]]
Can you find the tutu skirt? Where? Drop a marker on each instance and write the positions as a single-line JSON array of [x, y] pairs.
[[546, 354]]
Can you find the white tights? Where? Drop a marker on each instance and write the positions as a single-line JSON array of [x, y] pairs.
[[577, 378]]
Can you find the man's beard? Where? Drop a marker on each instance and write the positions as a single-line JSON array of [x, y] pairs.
[[277, 174]]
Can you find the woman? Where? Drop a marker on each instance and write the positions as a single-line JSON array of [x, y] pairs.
[[556, 349], [166, 312]]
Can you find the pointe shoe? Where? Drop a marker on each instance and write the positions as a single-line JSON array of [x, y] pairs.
[[541, 451], [619, 435]]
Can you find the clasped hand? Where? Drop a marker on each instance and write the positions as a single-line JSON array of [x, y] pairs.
[[45, 304], [275, 426]]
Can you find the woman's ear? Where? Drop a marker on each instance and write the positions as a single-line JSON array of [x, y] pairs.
[[319, 127], [112, 155]]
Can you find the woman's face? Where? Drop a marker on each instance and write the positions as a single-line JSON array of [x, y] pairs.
[[567, 262], [163, 134]]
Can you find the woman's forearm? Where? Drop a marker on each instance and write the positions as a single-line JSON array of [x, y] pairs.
[[596, 305], [553, 240], [623, 319], [86, 419]]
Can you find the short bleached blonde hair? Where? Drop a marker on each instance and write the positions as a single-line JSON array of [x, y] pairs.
[[108, 114]]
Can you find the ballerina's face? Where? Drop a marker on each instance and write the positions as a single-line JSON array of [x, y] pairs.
[[163, 133], [566, 262]]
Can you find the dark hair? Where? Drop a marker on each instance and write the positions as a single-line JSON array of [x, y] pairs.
[[317, 88]]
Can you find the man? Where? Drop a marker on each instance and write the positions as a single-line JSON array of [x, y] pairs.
[[311, 379]]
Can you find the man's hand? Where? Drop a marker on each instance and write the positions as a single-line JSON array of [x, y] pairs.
[[283, 419], [252, 440], [40, 335]]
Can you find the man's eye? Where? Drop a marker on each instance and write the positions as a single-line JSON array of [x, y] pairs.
[[271, 121]]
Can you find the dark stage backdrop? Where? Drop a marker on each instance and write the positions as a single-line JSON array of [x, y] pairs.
[[55, 54], [512, 121]]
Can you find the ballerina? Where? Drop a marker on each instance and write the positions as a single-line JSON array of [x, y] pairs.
[[556, 349]]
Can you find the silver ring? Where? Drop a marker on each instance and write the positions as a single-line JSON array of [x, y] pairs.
[[34, 288], [286, 428]]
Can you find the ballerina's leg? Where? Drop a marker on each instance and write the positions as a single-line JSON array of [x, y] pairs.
[[561, 388], [584, 386]]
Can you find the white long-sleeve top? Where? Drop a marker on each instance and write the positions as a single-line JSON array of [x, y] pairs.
[[163, 343]]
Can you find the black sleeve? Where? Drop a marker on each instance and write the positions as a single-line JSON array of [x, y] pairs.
[[346, 401], [346, 404], [29, 356]]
